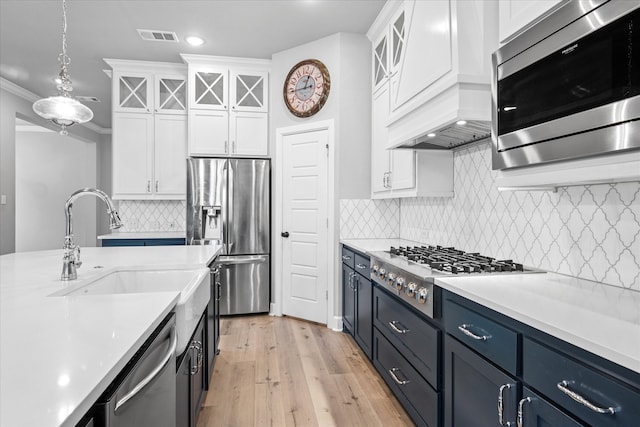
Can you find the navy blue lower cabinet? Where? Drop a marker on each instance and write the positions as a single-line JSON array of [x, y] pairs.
[[348, 299], [421, 402], [475, 390], [534, 411], [364, 319], [580, 389]]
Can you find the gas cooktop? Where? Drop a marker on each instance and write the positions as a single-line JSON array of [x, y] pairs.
[[409, 271]]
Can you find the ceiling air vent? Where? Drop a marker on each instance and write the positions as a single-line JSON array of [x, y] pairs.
[[158, 36]]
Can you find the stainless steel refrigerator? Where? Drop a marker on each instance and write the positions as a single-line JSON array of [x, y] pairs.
[[228, 203]]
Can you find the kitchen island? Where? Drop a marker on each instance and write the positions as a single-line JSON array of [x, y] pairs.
[[59, 353]]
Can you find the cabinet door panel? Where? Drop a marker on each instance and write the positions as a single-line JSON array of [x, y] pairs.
[[516, 15], [170, 155], [248, 133], [209, 88], [132, 153], [472, 386], [364, 320], [380, 62], [249, 91], [348, 299], [403, 169], [537, 412], [132, 92], [380, 166], [208, 132], [171, 94]]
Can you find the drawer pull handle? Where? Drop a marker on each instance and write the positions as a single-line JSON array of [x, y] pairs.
[[464, 328], [520, 420], [361, 266], [398, 381], [501, 405], [394, 325], [563, 386], [346, 258]]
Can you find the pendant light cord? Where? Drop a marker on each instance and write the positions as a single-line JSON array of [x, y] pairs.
[[64, 83]]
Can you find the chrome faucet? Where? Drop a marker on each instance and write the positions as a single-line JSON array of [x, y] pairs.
[[71, 259]]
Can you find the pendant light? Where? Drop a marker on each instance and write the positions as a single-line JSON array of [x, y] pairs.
[[62, 109]]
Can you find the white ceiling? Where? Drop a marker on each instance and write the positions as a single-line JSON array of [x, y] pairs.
[[31, 35]]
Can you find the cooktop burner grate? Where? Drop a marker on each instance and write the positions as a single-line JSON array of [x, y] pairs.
[[454, 261]]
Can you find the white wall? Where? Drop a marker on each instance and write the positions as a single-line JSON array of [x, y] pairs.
[[16, 102], [49, 167], [348, 59]]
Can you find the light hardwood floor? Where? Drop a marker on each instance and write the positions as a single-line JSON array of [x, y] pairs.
[[280, 371]]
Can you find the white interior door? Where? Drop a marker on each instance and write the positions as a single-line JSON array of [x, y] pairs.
[[304, 218]]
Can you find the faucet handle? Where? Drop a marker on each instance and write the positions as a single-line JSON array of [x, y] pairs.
[[76, 251]]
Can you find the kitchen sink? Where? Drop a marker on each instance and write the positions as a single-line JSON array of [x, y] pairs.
[[193, 285]]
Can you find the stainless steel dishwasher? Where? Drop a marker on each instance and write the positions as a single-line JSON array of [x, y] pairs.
[[144, 393]]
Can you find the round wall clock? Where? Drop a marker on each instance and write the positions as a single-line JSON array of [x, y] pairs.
[[306, 87]]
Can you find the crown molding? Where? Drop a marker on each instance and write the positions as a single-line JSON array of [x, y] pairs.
[[27, 95]]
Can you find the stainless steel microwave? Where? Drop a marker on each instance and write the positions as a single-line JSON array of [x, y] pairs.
[[569, 87]]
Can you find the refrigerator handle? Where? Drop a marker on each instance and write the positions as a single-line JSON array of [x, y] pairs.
[[229, 234]]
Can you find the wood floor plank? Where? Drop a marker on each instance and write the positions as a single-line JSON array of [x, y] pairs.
[[279, 371]]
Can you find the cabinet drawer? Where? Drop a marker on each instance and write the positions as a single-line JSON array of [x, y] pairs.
[[361, 265], [418, 341], [549, 372], [419, 399], [348, 257], [492, 340]]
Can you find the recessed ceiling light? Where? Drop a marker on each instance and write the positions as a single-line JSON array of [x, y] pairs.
[[431, 135], [194, 40], [461, 122]]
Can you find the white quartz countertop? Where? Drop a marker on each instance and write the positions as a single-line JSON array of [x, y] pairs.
[[146, 235], [602, 319], [58, 354]]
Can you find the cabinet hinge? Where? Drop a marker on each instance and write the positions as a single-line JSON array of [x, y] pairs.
[[327, 146], [326, 295], [327, 222]]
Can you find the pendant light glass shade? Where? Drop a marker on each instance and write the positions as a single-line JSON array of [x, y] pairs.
[[62, 109]]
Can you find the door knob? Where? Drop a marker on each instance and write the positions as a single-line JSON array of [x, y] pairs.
[[285, 234]]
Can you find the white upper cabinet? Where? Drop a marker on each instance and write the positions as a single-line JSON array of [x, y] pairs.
[[399, 173], [170, 94], [518, 15], [209, 87], [228, 106], [149, 130], [249, 91], [133, 92]]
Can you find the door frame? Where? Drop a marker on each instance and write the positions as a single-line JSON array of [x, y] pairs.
[[334, 319]]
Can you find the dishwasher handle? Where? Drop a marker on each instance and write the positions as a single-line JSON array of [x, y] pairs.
[[241, 259], [156, 371]]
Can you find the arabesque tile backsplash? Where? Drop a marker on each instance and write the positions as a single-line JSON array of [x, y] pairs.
[[592, 231], [152, 215]]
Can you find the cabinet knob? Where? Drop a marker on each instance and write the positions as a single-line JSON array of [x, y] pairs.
[[285, 234]]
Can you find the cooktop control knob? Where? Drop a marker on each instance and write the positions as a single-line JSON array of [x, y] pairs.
[[375, 268], [391, 279], [382, 272], [423, 293], [399, 283], [411, 289]]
